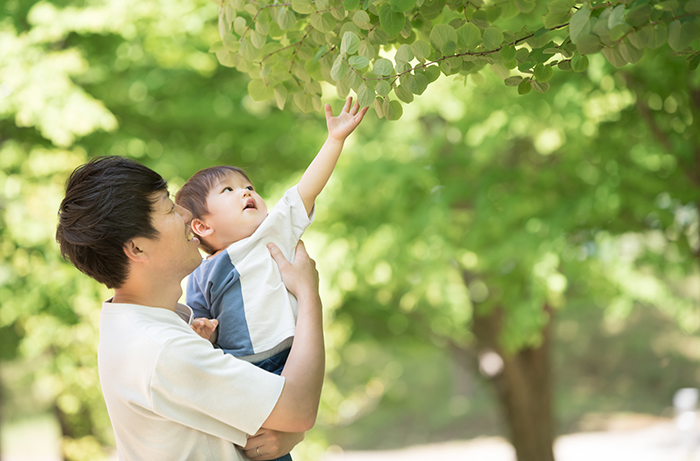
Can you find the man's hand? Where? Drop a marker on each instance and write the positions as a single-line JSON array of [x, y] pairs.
[[269, 444], [345, 123], [301, 276], [206, 328]]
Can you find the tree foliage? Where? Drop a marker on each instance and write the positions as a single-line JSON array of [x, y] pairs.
[[387, 51]]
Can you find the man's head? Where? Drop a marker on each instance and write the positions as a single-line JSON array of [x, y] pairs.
[[109, 202], [224, 206]]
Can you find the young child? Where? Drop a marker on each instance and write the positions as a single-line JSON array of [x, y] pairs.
[[238, 286]]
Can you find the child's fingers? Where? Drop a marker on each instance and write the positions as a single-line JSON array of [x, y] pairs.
[[348, 102], [355, 108], [329, 111], [361, 115], [214, 324]]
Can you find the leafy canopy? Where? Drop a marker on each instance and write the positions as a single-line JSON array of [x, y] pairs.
[[390, 50]]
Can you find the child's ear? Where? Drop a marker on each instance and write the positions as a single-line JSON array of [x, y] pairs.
[[201, 228]]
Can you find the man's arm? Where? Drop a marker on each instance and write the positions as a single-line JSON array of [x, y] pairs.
[[297, 405], [339, 128]]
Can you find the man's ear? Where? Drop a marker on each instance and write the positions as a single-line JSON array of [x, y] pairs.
[[201, 228], [133, 250]]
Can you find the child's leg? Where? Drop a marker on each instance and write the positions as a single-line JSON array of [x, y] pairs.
[[275, 364]]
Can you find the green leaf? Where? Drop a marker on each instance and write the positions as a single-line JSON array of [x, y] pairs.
[[469, 36], [421, 49], [588, 44], [579, 63], [231, 44], [580, 23], [552, 20], [404, 54], [379, 107], [693, 62], [619, 31], [432, 73], [507, 53], [540, 87], [358, 62], [248, 51], [416, 84], [513, 81], [258, 40], [383, 67], [658, 36], [391, 22], [668, 5], [681, 34], [639, 15], [404, 94], [259, 91], [524, 87], [543, 72], [286, 18], [564, 65], [350, 5], [402, 6], [239, 25], [560, 6], [692, 6], [393, 110], [631, 53], [365, 95], [614, 56], [323, 22], [493, 37], [640, 38], [303, 6], [304, 102], [281, 96], [339, 69], [442, 34], [616, 16], [361, 18], [320, 53], [350, 43], [383, 88]]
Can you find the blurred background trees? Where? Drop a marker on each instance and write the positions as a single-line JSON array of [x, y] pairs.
[[538, 252]]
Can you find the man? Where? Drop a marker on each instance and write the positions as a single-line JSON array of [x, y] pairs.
[[169, 393]]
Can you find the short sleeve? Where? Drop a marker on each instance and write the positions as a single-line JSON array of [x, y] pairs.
[[216, 393], [195, 297]]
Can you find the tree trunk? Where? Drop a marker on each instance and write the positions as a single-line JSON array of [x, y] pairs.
[[523, 388]]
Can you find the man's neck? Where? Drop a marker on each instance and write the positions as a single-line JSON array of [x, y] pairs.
[[151, 296]]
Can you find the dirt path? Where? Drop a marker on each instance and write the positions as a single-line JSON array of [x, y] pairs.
[[659, 441]]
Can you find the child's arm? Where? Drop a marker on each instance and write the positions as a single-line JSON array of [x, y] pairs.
[[317, 174]]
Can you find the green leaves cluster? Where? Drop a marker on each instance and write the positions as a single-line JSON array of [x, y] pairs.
[[387, 51]]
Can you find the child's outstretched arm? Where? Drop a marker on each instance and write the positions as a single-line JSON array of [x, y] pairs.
[[339, 128]]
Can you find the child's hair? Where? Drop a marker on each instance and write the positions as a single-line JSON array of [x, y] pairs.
[[193, 195]]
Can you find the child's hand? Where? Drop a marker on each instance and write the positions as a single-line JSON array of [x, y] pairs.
[[345, 123], [205, 328]]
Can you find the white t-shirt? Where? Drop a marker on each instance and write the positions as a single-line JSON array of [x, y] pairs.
[[170, 394], [243, 289]]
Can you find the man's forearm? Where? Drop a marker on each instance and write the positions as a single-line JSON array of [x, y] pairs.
[[319, 171], [297, 406]]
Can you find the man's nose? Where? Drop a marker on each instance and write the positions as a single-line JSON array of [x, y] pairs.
[[184, 213]]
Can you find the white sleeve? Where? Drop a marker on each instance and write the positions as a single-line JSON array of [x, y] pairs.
[[216, 393]]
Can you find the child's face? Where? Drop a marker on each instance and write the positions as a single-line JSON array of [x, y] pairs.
[[235, 209]]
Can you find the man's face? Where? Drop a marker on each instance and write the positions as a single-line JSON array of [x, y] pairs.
[[235, 209], [174, 251]]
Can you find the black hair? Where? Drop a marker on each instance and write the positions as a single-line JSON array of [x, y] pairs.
[[108, 202]]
